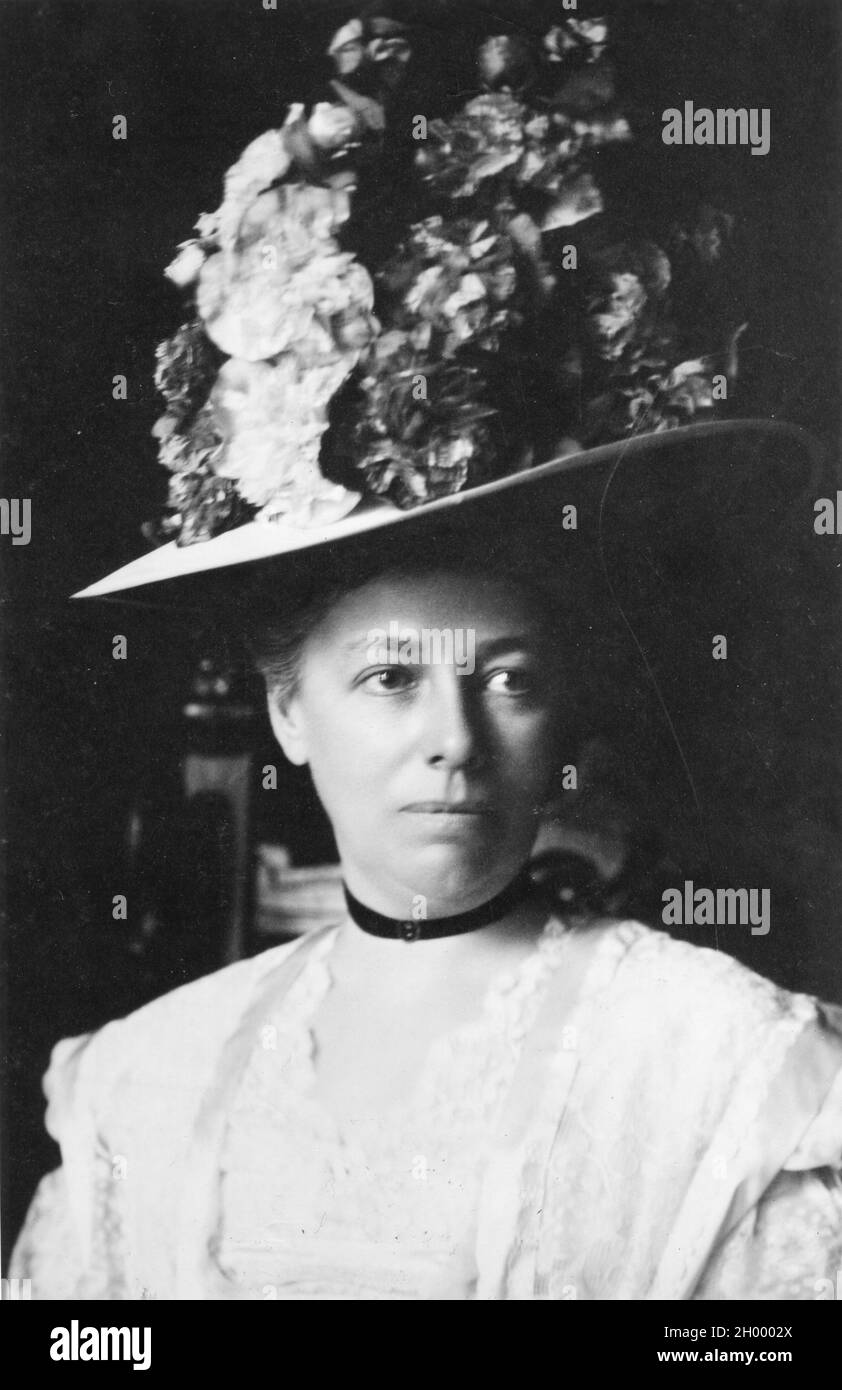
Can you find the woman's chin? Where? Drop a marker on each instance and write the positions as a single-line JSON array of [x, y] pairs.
[[453, 876]]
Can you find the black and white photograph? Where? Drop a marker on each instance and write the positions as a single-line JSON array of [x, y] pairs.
[[420, 536]]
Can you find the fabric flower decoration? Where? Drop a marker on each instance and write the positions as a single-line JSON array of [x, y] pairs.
[[185, 450], [506, 62], [347, 48], [378, 47], [394, 49], [484, 139], [459, 279], [186, 366], [184, 269], [284, 278], [271, 418], [332, 126], [410, 370], [689, 388], [574, 202], [389, 50], [264, 162], [613, 312], [411, 446], [200, 506], [625, 280], [586, 36], [498, 145]]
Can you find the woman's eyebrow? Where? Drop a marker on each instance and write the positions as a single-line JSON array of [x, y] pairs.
[[375, 635], [495, 646], [379, 643]]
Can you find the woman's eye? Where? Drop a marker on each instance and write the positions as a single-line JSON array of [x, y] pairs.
[[511, 681], [386, 680]]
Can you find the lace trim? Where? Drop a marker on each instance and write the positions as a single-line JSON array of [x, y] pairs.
[[788, 1248], [506, 1014], [450, 1116], [516, 1192]]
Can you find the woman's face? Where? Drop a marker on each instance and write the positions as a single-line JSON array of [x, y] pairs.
[[425, 709]]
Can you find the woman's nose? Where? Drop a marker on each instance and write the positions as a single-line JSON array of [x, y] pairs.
[[453, 735]]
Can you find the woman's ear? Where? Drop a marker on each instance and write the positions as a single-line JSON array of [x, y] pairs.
[[287, 726]]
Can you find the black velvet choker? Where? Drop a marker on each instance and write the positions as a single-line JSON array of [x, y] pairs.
[[408, 929]]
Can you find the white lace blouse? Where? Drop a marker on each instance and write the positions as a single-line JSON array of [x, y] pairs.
[[309, 1212], [678, 1136]]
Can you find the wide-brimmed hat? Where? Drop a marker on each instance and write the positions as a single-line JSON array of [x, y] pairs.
[[728, 496]]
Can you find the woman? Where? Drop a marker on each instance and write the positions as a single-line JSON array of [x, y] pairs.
[[454, 1092], [458, 1091]]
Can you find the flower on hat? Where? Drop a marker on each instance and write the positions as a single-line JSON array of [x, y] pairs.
[[322, 361], [625, 281], [184, 269], [332, 126], [482, 140], [264, 162], [498, 145], [271, 418], [283, 277], [613, 313], [372, 53], [456, 279], [586, 36], [186, 366], [506, 62], [413, 447], [347, 47]]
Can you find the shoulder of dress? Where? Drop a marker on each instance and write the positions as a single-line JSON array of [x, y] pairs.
[[650, 972], [680, 1029], [171, 1040], [231, 984], [207, 1003]]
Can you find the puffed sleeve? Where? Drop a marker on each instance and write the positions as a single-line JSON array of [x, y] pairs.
[[64, 1244], [789, 1246], [47, 1252]]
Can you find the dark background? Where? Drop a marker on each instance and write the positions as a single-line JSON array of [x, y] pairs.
[[88, 225]]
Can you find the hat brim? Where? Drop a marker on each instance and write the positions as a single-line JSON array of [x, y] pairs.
[[531, 494]]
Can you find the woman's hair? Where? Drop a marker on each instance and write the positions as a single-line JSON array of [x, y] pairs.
[[276, 640]]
